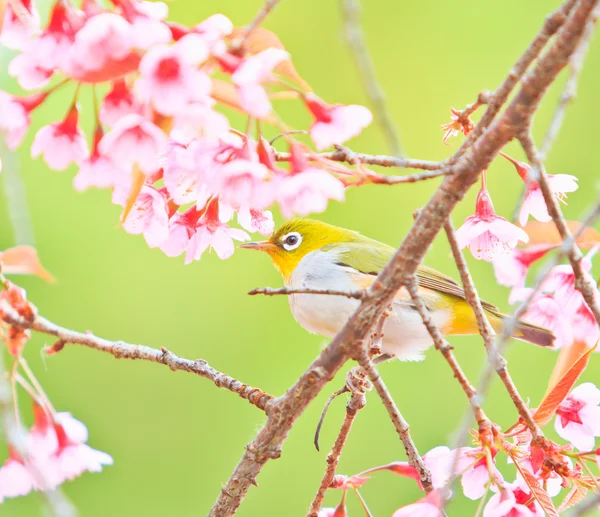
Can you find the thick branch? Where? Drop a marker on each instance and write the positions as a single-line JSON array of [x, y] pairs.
[[122, 350], [461, 176]]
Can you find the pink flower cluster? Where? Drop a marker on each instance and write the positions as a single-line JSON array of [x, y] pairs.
[[56, 452], [161, 142]]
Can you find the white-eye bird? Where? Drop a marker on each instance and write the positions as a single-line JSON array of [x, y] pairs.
[[315, 255]]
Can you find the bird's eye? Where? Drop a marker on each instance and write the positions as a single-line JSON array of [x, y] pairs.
[[291, 241]]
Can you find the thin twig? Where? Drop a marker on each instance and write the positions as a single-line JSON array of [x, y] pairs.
[[444, 347], [570, 90], [258, 19], [357, 401], [400, 423], [271, 291], [583, 281], [487, 332], [341, 155], [366, 71], [122, 350]]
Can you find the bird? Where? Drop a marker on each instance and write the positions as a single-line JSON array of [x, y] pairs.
[[311, 254]]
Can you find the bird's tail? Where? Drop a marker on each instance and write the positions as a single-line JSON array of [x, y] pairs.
[[534, 334]]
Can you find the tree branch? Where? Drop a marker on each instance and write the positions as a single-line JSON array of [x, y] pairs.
[[271, 291], [122, 350], [366, 71]]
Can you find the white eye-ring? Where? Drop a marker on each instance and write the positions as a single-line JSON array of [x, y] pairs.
[[291, 240]]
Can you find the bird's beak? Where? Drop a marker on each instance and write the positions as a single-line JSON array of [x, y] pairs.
[[260, 246]]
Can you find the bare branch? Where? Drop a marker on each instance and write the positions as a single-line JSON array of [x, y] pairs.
[[488, 334], [122, 350], [358, 387], [583, 281], [258, 19], [444, 347], [270, 291], [570, 89], [366, 71], [342, 155]]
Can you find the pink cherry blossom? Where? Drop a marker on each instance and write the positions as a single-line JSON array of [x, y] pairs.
[[487, 234], [479, 475], [213, 30], [105, 38], [118, 103], [148, 32], [15, 32], [169, 75], [251, 74], [512, 501], [511, 268], [534, 202], [546, 312], [61, 143], [15, 116], [429, 506], [149, 216], [253, 220], [306, 189], [182, 227], [578, 416], [15, 479], [97, 170], [199, 120], [211, 232], [335, 124], [241, 179], [29, 73], [585, 326], [134, 140]]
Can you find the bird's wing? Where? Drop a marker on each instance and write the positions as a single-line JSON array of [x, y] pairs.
[[370, 258]]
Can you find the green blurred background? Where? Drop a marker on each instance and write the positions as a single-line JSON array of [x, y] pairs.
[[174, 437]]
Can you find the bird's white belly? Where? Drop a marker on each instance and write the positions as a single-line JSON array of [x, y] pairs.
[[405, 336]]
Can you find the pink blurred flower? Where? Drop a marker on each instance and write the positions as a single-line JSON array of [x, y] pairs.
[[169, 75], [479, 475], [118, 103], [546, 312], [61, 143], [306, 189], [253, 220], [97, 170], [134, 140], [15, 32], [29, 73], [512, 501], [429, 506], [105, 38], [241, 179], [199, 120], [335, 124], [511, 268], [213, 30], [149, 216], [251, 74], [578, 416], [15, 478], [343, 482], [181, 228], [486, 234], [15, 116]]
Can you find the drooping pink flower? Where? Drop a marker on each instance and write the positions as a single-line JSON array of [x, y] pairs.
[[15, 478], [578, 416], [306, 189], [511, 268], [211, 232], [546, 312], [61, 143], [487, 234], [429, 506], [585, 326], [134, 140], [512, 501], [18, 28], [335, 124], [253, 220], [118, 103], [534, 202], [104, 39], [149, 216], [214, 29], [479, 475], [169, 75], [15, 116], [182, 227], [96, 170], [199, 120], [250, 76], [29, 73], [241, 179]]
